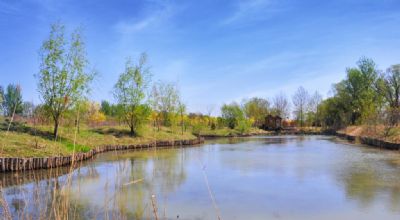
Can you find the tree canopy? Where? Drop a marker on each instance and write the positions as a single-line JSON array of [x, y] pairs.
[[13, 100], [130, 93], [63, 77]]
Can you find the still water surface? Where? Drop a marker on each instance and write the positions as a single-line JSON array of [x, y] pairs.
[[288, 177]]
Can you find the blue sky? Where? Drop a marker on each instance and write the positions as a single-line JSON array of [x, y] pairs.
[[218, 51]]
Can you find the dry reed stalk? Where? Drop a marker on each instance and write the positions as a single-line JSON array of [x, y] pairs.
[[211, 194], [8, 128], [133, 182], [153, 203], [4, 204]]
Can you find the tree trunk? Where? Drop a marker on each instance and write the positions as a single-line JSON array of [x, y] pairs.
[[55, 132], [182, 126], [132, 131]]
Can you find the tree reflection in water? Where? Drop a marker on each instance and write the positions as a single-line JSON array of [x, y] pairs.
[[276, 173], [367, 180], [42, 194]]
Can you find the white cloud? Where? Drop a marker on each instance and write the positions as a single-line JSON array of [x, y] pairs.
[[251, 10], [157, 15], [130, 27]]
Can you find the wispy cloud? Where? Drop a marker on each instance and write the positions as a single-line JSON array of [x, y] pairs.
[[157, 14], [251, 10], [8, 8]]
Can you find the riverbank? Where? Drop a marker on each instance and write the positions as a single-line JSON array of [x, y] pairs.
[[27, 147], [227, 133], [22, 164], [377, 136], [37, 141]]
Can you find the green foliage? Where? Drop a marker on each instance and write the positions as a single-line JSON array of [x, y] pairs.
[[333, 113], [243, 125], [77, 147], [361, 97], [63, 78], [181, 112], [130, 92], [106, 108], [165, 100], [13, 100], [388, 86], [358, 92], [232, 114], [256, 109]]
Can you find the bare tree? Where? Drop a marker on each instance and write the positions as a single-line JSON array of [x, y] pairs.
[[165, 98], [301, 102], [314, 102], [210, 109], [281, 105]]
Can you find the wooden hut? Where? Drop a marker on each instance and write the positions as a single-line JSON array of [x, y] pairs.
[[272, 122]]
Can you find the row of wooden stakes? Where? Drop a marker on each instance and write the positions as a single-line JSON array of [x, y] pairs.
[[371, 141], [21, 164]]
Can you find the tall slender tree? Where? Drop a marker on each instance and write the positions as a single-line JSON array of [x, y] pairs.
[[165, 101], [13, 100], [1, 99], [63, 77], [300, 102], [130, 93]]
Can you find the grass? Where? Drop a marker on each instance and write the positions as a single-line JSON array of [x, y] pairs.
[[227, 132], [28, 141]]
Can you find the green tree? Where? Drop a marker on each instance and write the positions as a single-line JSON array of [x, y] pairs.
[[181, 112], [63, 77], [333, 113], [256, 109], [232, 114], [106, 108], [388, 86], [80, 112], [130, 92], [13, 100], [358, 91]]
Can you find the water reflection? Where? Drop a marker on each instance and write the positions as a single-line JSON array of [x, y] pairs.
[[285, 177], [368, 181]]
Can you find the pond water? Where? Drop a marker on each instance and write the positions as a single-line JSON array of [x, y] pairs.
[[282, 177]]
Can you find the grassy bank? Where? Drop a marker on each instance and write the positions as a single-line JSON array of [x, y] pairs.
[[379, 132], [227, 132], [29, 141]]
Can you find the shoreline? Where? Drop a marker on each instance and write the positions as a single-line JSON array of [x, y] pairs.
[[12, 164], [272, 133], [373, 142]]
